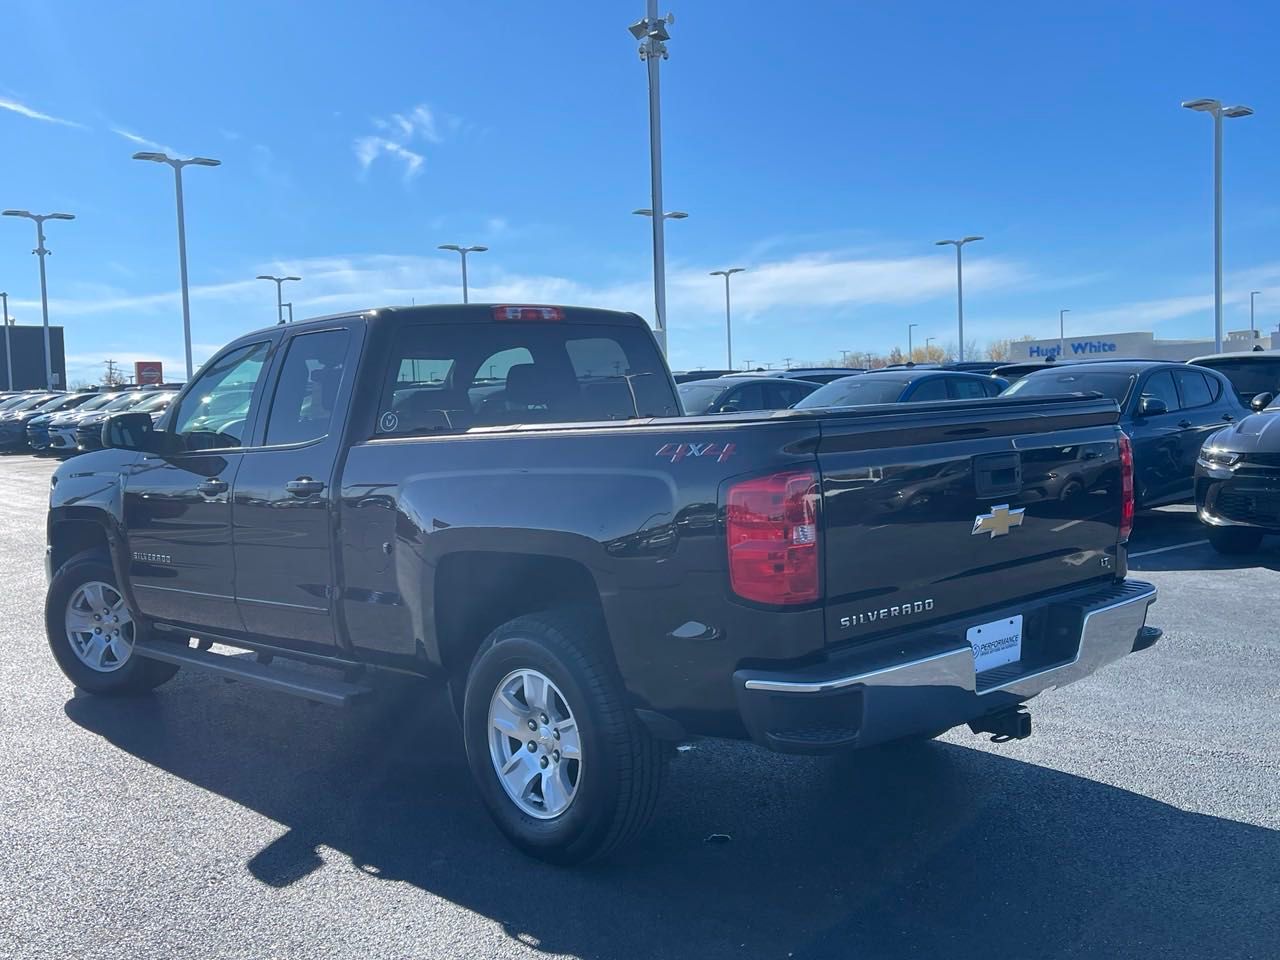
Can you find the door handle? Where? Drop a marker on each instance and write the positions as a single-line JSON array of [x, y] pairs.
[[1184, 424], [212, 487], [304, 487], [1228, 417]]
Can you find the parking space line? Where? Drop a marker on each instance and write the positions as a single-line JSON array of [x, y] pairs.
[[1176, 546]]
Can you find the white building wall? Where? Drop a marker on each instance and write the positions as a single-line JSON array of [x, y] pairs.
[[1141, 345]]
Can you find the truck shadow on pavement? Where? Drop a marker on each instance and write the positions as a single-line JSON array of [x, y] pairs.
[[932, 850]]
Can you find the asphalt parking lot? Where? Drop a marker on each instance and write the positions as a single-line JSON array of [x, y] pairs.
[[1141, 819]]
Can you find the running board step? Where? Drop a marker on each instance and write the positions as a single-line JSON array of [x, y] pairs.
[[332, 691]]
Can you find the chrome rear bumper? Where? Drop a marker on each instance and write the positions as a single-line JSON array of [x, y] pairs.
[[888, 697]]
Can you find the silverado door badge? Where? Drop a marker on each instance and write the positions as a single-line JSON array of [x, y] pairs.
[[998, 522]]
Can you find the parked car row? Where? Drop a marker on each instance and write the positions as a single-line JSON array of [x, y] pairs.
[[69, 423]]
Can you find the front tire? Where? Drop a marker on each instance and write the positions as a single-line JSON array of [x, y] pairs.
[[1230, 541], [91, 631], [565, 768]]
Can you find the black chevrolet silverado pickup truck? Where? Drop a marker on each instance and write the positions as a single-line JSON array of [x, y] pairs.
[[507, 500]]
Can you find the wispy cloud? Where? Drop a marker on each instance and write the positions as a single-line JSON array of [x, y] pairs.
[[397, 136], [418, 123], [368, 149], [31, 113], [794, 287], [144, 142]]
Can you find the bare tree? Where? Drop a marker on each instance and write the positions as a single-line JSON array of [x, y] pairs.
[[1003, 349], [112, 377]]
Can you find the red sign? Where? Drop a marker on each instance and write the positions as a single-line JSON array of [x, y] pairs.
[[147, 372]]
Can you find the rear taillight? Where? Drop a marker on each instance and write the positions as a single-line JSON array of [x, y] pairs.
[[772, 525], [1126, 486], [531, 314]]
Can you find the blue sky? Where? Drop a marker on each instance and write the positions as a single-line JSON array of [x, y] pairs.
[[823, 146]]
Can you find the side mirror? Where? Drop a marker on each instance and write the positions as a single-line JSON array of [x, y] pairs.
[[733, 406], [128, 431], [1152, 407], [1261, 401]]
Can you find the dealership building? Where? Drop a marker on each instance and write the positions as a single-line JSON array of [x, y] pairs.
[[27, 344], [1141, 345]]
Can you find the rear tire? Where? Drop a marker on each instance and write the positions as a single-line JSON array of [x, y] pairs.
[[1230, 541], [539, 680], [91, 631]]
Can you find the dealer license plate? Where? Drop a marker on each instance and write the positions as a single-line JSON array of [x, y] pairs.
[[996, 643]]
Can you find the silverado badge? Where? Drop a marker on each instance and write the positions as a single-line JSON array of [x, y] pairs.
[[998, 522]]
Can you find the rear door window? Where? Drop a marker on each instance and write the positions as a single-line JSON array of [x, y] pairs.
[[447, 377], [962, 388], [302, 408], [785, 394], [1193, 388], [748, 396], [934, 388]]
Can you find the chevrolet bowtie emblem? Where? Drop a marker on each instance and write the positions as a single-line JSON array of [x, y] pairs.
[[998, 522]]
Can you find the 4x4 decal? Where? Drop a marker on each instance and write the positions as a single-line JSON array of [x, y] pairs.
[[678, 451]]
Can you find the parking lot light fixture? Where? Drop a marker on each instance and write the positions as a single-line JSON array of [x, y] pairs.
[[728, 316], [177, 166], [462, 252], [1253, 330], [653, 35], [670, 215], [41, 252], [8, 351], [279, 282], [958, 244], [910, 343], [1062, 332], [1217, 111]]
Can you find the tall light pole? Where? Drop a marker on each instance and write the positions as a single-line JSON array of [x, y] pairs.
[[8, 351], [653, 36], [1253, 331], [1062, 333], [177, 166], [41, 252], [289, 305], [927, 341], [1218, 111], [279, 282], [728, 318], [462, 252], [910, 343], [958, 244]]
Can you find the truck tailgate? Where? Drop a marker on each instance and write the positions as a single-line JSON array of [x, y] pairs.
[[934, 511]]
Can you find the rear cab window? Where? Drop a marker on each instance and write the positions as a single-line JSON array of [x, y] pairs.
[[450, 377]]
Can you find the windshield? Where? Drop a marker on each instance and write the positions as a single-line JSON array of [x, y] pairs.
[[96, 402], [154, 402], [124, 401], [700, 396], [58, 404], [850, 391], [30, 402], [1115, 384], [1248, 376], [10, 402]]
